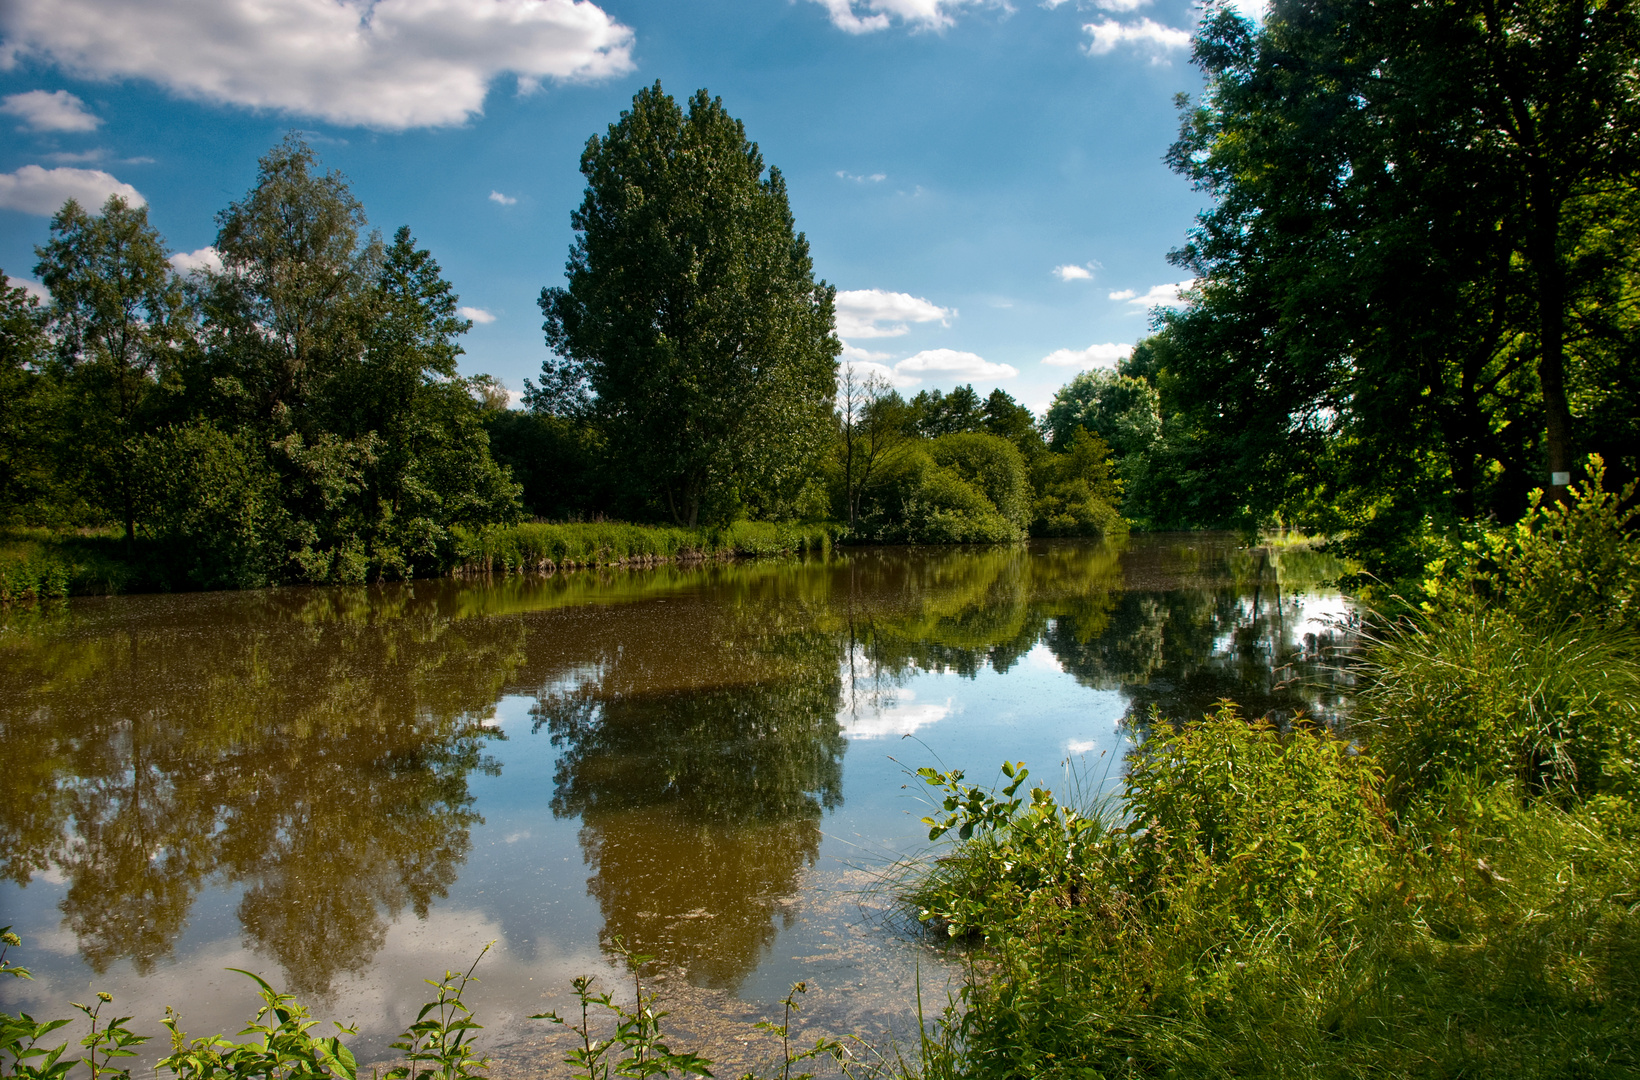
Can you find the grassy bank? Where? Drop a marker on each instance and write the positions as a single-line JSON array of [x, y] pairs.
[[539, 546], [1448, 889], [39, 565]]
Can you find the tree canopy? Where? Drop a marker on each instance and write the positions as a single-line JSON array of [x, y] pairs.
[[691, 324], [1416, 291]]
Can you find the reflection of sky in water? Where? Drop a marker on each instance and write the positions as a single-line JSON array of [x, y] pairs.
[[716, 778]]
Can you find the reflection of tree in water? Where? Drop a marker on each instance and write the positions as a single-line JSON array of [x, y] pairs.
[[1229, 635], [313, 745], [700, 807]]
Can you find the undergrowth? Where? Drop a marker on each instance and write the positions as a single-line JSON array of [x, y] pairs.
[[1450, 889]]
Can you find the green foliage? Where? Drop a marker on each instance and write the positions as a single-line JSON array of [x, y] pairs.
[[117, 317], [941, 491], [1076, 492], [1450, 891], [692, 316], [1524, 667], [213, 500], [439, 1045], [26, 478], [1376, 348], [284, 1050], [1259, 821], [634, 1049]]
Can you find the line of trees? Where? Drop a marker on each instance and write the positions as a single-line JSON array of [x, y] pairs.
[[295, 414]]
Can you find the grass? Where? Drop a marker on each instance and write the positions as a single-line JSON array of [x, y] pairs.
[[39, 565], [544, 546]]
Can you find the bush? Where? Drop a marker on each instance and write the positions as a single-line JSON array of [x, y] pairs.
[[1077, 493], [213, 502], [913, 498]]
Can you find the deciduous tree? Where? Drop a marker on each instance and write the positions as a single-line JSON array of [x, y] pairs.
[[691, 316]]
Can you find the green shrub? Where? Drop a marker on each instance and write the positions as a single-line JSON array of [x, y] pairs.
[[213, 504], [1077, 492], [912, 498]]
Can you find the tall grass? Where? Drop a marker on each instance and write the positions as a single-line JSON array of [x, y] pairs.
[[38, 565], [542, 546]]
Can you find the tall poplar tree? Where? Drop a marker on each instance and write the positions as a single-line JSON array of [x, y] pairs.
[[691, 318]]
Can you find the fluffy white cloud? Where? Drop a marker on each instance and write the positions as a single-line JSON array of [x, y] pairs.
[[1093, 356], [1145, 35], [1120, 5], [869, 16], [55, 110], [873, 178], [1169, 295], [1073, 273], [895, 713], [504, 200], [381, 63], [34, 190], [477, 314], [965, 365], [876, 313], [854, 352], [206, 258], [864, 369]]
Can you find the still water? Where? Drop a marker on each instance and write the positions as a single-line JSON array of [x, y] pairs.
[[347, 790]]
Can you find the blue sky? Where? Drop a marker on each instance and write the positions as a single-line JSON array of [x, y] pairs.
[[983, 182]]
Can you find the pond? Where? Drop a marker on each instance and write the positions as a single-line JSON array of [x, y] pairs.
[[350, 789]]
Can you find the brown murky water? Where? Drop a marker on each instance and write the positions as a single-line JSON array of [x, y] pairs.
[[350, 789]]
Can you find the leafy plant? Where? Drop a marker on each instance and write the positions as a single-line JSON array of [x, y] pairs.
[[440, 1043], [284, 1050], [635, 1048]]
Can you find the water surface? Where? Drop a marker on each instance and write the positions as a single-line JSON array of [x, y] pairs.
[[350, 789]]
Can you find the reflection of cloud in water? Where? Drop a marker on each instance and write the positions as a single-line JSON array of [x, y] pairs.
[[1081, 746], [895, 711], [1042, 658]]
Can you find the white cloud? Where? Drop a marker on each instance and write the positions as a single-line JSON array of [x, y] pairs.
[[504, 200], [1105, 356], [1120, 5], [896, 712], [1145, 35], [477, 314], [55, 110], [380, 63], [873, 178], [206, 258], [869, 16], [864, 369], [1073, 273], [965, 365], [1080, 746], [1169, 295], [34, 190], [33, 288], [875, 313], [854, 352]]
